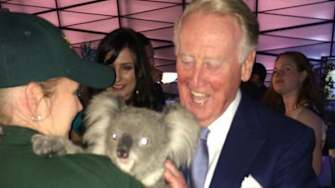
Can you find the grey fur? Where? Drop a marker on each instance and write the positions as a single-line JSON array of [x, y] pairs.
[[121, 133]]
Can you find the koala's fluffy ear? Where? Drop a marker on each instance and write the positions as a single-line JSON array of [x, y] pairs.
[[102, 105], [99, 113], [183, 134]]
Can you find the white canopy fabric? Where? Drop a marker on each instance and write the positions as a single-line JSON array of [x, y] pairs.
[[302, 25]]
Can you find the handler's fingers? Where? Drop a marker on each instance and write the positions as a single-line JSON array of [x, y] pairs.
[[173, 176]]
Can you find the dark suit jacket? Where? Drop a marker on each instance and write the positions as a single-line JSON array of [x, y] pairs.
[[275, 150]]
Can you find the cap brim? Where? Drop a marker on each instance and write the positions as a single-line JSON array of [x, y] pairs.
[[92, 74]]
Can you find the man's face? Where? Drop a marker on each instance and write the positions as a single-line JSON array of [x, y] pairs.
[[208, 67]]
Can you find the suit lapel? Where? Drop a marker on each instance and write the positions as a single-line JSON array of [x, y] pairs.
[[244, 140]]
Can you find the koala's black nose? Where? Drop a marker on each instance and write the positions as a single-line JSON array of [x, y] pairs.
[[122, 153], [124, 146]]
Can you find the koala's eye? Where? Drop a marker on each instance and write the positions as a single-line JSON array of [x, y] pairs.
[[114, 136], [143, 141]]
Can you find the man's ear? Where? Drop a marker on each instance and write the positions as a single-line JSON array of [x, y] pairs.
[[34, 97], [247, 65]]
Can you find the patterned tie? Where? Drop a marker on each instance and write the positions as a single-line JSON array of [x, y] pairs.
[[200, 162]]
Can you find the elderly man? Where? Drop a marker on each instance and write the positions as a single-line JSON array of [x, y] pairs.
[[247, 145]]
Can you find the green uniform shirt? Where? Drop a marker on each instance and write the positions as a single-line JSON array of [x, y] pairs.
[[21, 168]]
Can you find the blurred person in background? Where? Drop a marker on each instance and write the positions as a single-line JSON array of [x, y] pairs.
[[295, 93], [255, 87]]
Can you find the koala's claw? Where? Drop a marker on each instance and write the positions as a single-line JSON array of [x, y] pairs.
[[47, 145]]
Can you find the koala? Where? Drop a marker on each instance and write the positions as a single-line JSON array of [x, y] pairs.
[[137, 140]]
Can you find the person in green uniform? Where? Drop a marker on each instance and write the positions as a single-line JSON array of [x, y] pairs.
[[40, 75]]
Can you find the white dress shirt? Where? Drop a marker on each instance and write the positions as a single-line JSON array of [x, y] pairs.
[[217, 136]]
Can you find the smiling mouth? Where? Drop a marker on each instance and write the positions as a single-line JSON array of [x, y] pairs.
[[199, 97], [117, 86]]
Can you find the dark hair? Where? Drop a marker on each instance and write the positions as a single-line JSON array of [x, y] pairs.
[[259, 70], [144, 39], [309, 93], [114, 43], [273, 100]]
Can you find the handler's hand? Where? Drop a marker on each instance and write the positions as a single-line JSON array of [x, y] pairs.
[[173, 177]]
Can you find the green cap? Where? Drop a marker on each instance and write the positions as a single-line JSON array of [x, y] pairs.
[[32, 49]]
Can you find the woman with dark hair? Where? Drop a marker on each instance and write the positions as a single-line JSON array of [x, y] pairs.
[[294, 92], [123, 50]]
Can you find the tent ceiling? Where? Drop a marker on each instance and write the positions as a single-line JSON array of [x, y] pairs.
[[303, 25]]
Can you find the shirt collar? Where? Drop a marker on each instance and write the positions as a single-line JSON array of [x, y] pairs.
[[226, 117], [217, 136]]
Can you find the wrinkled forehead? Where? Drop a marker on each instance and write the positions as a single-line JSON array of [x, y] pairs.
[[210, 24], [212, 36]]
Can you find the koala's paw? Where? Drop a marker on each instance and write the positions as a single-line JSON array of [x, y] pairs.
[[48, 145]]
